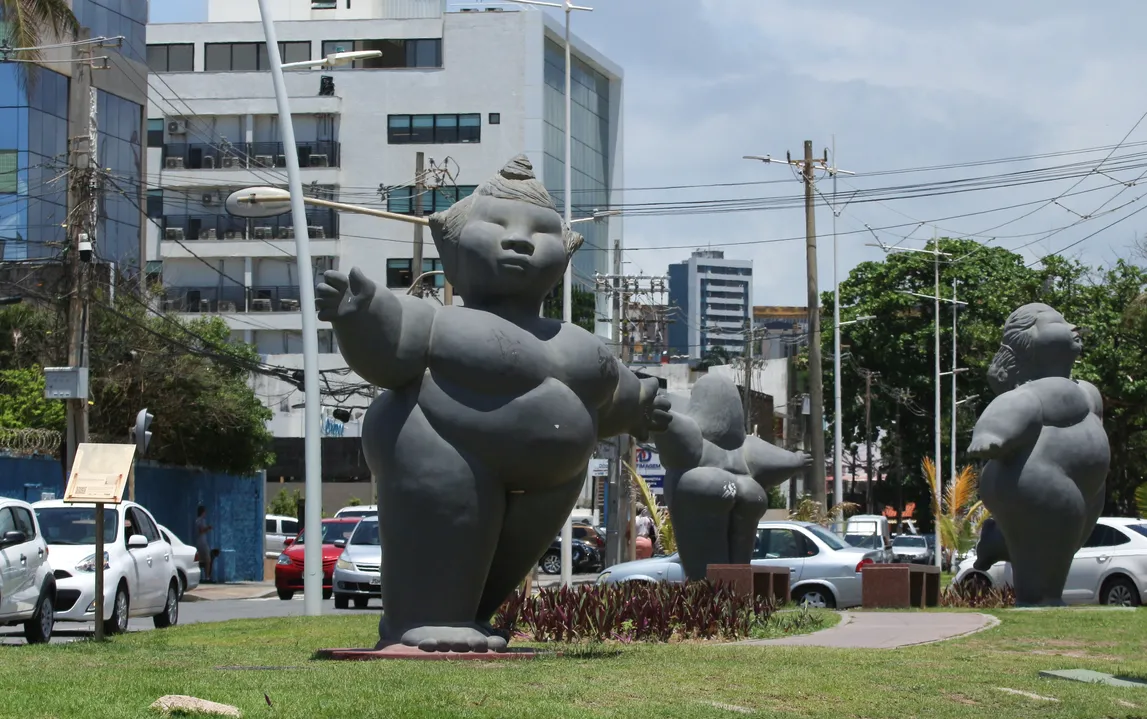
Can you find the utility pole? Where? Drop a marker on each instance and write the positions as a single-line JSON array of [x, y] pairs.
[[614, 532], [419, 190], [868, 437], [82, 195], [749, 376]]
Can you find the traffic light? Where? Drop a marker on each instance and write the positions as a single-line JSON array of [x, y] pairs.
[[140, 433]]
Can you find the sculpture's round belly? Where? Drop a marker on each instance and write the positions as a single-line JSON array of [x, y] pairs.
[[539, 438]]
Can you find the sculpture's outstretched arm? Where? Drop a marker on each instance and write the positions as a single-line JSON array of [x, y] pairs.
[[679, 446], [769, 464], [384, 337], [1012, 420], [630, 410]]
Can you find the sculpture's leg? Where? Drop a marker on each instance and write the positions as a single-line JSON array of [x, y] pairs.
[[531, 522], [700, 511], [439, 516], [752, 502]]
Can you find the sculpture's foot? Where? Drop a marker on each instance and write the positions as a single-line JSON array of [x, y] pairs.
[[489, 629], [458, 638]]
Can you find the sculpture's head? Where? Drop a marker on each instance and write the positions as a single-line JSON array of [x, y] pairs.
[[715, 405], [1038, 342], [506, 241]]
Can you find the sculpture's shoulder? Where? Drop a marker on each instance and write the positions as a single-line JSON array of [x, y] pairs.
[[579, 352], [1063, 402], [1094, 398]]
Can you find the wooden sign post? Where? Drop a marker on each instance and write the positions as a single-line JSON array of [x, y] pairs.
[[100, 474]]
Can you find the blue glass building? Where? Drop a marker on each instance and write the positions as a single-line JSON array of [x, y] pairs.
[[34, 131]]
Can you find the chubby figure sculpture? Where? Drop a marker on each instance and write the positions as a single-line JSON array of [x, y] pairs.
[[717, 478], [1047, 453], [480, 446]]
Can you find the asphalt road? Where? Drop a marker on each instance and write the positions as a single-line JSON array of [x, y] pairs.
[[196, 613]]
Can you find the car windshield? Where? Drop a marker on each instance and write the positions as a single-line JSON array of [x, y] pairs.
[[75, 525], [1140, 528], [919, 542], [366, 533], [865, 541], [832, 539], [332, 532]]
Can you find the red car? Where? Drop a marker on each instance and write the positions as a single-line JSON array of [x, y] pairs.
[[289, 567]]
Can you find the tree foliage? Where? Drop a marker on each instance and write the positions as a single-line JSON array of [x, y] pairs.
[[29, 23], [899, 345], [584, 308], [22, 402]]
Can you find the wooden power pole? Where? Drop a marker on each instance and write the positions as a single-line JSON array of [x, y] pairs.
[[815, 378], [416, 206]]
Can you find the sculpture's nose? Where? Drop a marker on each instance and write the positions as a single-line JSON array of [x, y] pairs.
[[518, 244]]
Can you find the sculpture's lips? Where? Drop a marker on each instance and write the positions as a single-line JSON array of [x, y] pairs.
[[517, 262]]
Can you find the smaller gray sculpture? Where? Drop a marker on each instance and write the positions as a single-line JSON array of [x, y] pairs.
[[717, 478], [1047, 453]]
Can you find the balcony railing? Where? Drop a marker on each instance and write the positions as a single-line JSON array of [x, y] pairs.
[[321, 224], [232, 298], [247, 155]]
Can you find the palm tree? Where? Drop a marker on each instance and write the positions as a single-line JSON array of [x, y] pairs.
[[29, 23], [958, 513]]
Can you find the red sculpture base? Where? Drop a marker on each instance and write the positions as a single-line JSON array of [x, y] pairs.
[[401, 651]]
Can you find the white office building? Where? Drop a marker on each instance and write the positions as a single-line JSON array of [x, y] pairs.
[[710, 304], [470, 87]]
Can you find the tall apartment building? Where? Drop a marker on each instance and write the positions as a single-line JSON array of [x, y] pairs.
[[782, 331], [710, 305], [469, 88], [36, 120]]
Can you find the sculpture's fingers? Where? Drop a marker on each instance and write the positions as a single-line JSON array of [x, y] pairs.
[[360, 284], [325, 291], [335, 279]]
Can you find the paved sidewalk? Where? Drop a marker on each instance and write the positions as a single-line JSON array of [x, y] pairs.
[[888, 630], [235, 590]]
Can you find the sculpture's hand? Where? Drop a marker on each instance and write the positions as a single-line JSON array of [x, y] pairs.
[[660, 414], [805, 459], [655, 416], [340, 296], [985, 445]]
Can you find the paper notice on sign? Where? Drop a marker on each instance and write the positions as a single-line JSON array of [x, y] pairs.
[[100, 473], [599, 468]]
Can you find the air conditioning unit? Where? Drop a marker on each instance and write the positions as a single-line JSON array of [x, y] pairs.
[[264, 160], [208, 199], [261, 305], [209, 234], [263, 233], [173, 163], [226, 306], [320, 161], [232, 235], [209, 162], [177, 127], [286, 232], [173, 233], [229, 162]]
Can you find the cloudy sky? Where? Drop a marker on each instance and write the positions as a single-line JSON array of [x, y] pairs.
[[897, 84]]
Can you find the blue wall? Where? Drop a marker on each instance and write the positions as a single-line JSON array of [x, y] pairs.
[[235, 505]]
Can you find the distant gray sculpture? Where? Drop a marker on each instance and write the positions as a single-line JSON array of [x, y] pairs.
[[1047, 453], [717, 478], [480, 447]]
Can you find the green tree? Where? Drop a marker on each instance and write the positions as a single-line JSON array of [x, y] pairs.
[[29, 23], [285, 504], [23, 404], [584, 308]]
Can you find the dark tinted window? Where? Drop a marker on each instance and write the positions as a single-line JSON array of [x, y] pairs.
[[366, 533], [7, 521], [290, 527], [1106, 536], [778, 544], [445, 128], [271, 528], [171, 58], [1138, 528], [75, 525], [24, 522], [420, 52]]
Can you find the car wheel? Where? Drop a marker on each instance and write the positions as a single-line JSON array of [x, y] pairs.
[[551, 563], [815, 597], [328, 593], [285, 594], [361, 602], [38, 629], [1120, 592], [976, 584], [121, 609], [182, 585], [169, 617], [342, 601]]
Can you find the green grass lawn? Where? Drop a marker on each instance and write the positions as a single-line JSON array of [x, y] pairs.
[[961, 678]]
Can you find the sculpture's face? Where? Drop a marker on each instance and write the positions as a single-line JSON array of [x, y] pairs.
[[510, 249], [1055, 339]]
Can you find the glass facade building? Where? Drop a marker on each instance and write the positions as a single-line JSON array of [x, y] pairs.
[[121, 155], [113, 18], [590, 170]]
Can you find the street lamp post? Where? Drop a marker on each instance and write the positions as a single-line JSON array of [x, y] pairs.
[[838, 414]]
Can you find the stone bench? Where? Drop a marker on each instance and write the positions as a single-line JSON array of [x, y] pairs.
[[900, 586], [753, 581]]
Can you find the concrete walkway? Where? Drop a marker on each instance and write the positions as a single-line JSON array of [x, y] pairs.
[[235, 590], [888, 630]]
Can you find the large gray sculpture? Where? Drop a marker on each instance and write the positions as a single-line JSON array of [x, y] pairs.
[[1047, 453], [717, 478], [480, 447]]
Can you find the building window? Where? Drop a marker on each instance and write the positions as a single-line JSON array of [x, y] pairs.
[[155, 204], [9, 174], [434, 129], [398, 274], [495, 118], [155, 133], [250, 56], [421, 52], [171, 58], [401, 199], [325, 4]]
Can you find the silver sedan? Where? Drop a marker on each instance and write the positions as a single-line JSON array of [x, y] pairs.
[[824, 571], [356, 576]]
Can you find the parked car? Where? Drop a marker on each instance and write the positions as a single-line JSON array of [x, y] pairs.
[[140, 574], [584, 556], [870, 531], [824, 570], [289, 565], [186, 561], [356, 574], [358, 511], [912, 549], [1110, 568], [589, 533], [27, 586], [279, 529]]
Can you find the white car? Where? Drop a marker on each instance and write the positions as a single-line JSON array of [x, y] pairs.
[[358, 511], [140, 574], [27, 587], [186, 561], [279, 529], [1111, 568]]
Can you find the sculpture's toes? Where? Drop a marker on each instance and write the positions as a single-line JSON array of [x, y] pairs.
[[496, 643], [464, 638]]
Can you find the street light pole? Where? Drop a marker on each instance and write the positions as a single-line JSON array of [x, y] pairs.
[[312, 521]]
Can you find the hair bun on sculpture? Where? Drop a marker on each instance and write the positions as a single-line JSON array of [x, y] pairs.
[[518, 168]]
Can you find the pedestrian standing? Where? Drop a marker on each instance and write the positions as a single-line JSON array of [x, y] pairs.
[[202, 546], [645, 531]]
